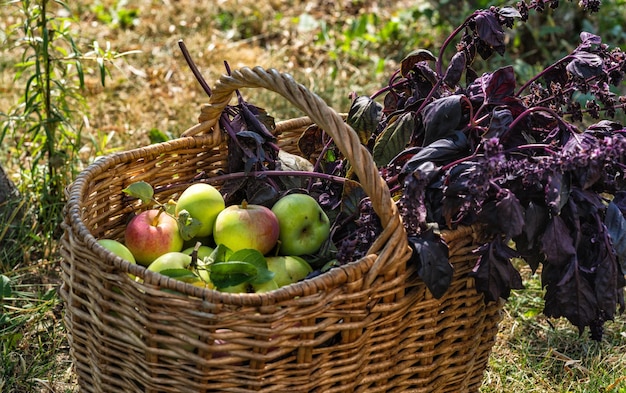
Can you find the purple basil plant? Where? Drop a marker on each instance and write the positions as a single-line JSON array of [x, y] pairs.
[[459, 148]]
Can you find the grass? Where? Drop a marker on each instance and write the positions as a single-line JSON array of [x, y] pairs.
[[534, 354], [331, 49]]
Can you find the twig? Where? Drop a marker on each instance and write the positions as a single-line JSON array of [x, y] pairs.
[[194, 68]]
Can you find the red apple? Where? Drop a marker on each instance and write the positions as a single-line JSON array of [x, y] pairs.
[[246, 226], [151, 234]]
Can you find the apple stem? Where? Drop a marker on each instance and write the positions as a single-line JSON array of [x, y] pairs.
[[155, 220], [194, 256], [244, 204]]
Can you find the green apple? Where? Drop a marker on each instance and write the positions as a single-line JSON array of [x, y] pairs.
[[288, 269], [151, 234], [265, 287], [246, 227], [170, 261], [240, 288], [304, 225], [203, 202], [118, 249], [203, 252]]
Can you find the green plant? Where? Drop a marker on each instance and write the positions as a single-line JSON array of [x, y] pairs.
[[117, 15], [43, 130], [29, 339], [361, 39]]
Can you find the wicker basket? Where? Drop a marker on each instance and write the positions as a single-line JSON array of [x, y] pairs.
[[368, 326]]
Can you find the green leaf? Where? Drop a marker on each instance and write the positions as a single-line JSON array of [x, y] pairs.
[[179, 274], [187, 225], [221, 253], [157, 136], [394, 138], [5, 287], [243, 266], [363, 117], [140, 190], [257, 259], [102, 68], [351, 197], [231, 273]]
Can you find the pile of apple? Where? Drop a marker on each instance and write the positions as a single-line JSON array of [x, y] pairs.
[[239, 248]]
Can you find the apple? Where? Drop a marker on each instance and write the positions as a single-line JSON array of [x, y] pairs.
[[265, 286], [169, 261], [118, 249], [304, 225], [239, 288], [288, 269], [246, 226], [151, 234], [203, 202]]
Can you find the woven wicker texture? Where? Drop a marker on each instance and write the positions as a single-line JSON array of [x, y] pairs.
[[368, 326]]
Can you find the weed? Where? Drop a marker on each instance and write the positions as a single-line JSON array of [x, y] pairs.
[[44, 129]]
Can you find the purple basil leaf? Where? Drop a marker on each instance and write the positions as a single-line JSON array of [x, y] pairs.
[[531, 253], [470, 75], [413, 58], [500, 84], [510, 212], [495, 275], [461, 191], [557, 191], [619, 199], [585, 65], [606, 282], [588, 39], [557, 242], [509, 12], [616, 227], [489, 30], [501, 118], [261, 193], [425, 78], [535, 219], [572, 296], [604, 127], [591, 201], [251, 115], [455, 69], [504, 215], [441, 118], [441, 151], [430, 254], [412, 205]]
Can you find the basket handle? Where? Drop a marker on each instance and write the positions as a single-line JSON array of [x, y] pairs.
[[326, 118]]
